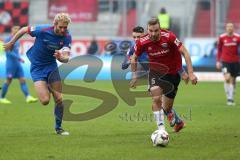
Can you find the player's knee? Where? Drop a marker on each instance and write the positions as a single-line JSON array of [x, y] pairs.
[[227, 78], [45, 100], [157, 99], [22, 80]]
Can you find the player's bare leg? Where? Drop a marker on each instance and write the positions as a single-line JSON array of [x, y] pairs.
[[43, 93], [156, 93]]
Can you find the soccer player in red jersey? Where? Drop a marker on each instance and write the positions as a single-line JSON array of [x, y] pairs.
[[164, 51], [228, 60]]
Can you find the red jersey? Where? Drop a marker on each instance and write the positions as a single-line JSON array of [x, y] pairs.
[[228, 48], [164, 52]]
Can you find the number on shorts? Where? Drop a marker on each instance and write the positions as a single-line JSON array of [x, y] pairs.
[[153, 80]]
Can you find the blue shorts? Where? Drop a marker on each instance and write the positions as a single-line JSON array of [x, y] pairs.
[[14, 71], [47, 73]]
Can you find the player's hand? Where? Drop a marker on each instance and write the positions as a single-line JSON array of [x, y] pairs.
[[218, 65], [185, 77], [8, 46], [57, 54], [193, 78], [133, 82], [61, 56]]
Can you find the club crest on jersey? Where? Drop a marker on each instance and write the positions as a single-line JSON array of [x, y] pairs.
[[149, 48], [164, 45], [225, 41], [235, 39], [177, 42], [61, 43]]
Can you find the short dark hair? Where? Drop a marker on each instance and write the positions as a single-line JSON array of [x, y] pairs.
[[153, 21], [138, 29]]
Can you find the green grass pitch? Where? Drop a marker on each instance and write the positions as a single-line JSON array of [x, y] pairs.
[[212, 131]]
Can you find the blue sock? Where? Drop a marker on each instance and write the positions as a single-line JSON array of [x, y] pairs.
[[58, 112], [4, 90], [177, 118], [24, 89]]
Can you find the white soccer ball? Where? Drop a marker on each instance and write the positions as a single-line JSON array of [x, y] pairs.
[[160, 138]]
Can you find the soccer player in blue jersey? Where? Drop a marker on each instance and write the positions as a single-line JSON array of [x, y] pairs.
[[52, 43], [143, 59], [14, 70]]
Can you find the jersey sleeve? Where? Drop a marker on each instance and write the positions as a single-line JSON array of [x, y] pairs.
[[34, 31], [174, 40], [138, 47], [130, 51], [126, 61]]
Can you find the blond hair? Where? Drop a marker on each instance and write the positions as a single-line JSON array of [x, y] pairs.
[[62, 17]]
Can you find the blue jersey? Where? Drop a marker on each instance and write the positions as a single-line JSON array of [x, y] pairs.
[[142, 59], [13, 64], [43, 63], [46, 42], [12, 56]]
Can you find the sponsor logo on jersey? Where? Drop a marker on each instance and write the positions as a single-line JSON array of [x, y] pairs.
[[159, 53], [177, 42], [230, 44]]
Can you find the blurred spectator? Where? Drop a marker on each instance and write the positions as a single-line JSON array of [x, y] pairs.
[[93, 47], [205, 4], [213, 51], [164, 19], [131, 4]]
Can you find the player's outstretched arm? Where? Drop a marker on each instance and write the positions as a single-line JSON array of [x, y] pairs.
[[133, 61], [9, 45], [187, 58]]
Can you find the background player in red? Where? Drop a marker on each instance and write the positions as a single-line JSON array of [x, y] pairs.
[[228, 60], [164, 51]]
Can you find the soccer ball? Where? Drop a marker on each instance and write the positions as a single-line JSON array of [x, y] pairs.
[[160, 138]]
